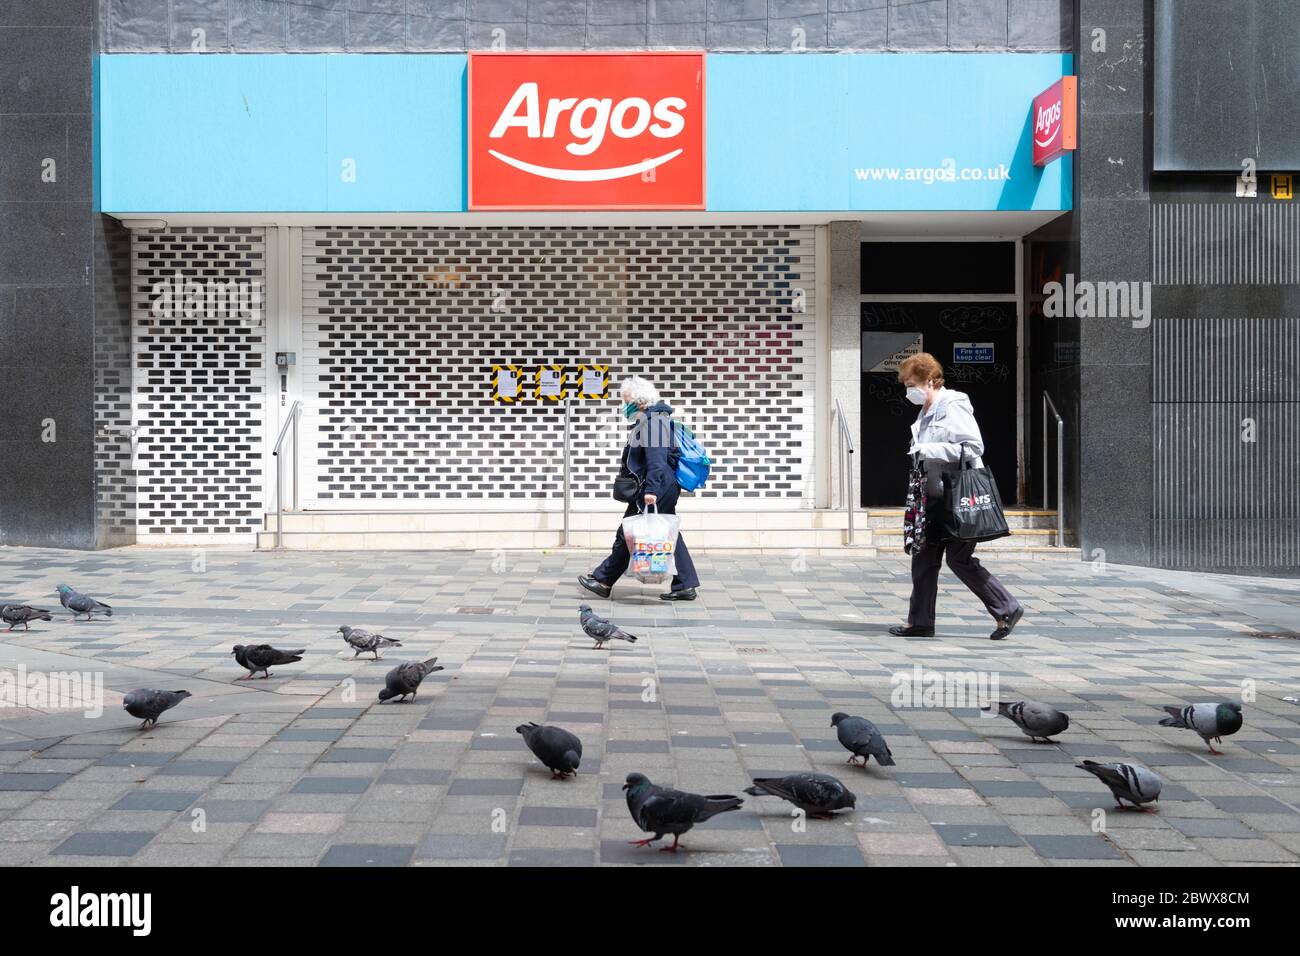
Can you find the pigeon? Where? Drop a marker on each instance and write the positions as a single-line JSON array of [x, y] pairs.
[[599, 629], [1211, 721], [149, 704], [861, 738], [816, 794], [362, 640], [557, 749], [79, 603], [1036, 721], [14, 614], [262, 657], [661, 810], [1137, 785], [405, 679]]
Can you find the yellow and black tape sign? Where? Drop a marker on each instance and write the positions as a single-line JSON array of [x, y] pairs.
[[593, 381], [551, 383], [507, 384]]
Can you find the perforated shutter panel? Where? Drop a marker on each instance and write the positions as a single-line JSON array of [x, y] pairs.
[[199, 383], [402, 326]]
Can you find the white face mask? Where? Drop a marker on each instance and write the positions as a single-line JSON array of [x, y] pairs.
[[916, 395]]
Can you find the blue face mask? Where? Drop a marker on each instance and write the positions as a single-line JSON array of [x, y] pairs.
[[630, 410]]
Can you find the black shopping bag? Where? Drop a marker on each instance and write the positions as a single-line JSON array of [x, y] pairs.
[[972, 505]]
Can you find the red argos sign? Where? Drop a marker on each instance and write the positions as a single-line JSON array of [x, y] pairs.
[[586, 130], [1053, 116]]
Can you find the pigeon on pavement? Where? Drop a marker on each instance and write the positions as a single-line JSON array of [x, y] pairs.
[[15, 614], [150, 704], [363, 641], [1211, 721], [1127, 781], [557, 749], [79, 603], [816, 794], [599, 629], [262, 657], [861, 738], [1037, 721], [661, 810], [406, 678]]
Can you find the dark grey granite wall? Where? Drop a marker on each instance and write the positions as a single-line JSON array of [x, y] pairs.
[[48, 235], [396, 26], [1112, 219]]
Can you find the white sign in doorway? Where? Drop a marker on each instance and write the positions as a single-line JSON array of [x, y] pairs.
[[885, 351]]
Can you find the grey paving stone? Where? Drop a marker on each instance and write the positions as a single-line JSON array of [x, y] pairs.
[[93, 843], [332, 785], [438, 846], [538, 857], [233, 811], [557, 817], [1069, 847], [415, 777], [156, 800], [198, 768], [325, 734], [1248, 804], [622, 852], [361, 854], [357, 755], [637, 747], [1004, 788], [812, 854], [486, 787], [1199, 827], [332, 713], [452, 721], [32, 781], [956, 834], [701, 743], [574, 717], [931, 781]]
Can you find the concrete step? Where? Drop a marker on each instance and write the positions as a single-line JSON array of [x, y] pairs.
[[784, 541], [889, 519], [809, 531]]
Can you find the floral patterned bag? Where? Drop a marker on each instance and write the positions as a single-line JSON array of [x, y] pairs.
[[914, 511]]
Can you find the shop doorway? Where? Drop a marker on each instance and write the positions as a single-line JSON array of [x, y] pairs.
[[957, 301]]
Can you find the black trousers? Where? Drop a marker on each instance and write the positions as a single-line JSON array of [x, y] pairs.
[[926, 563], [613, 567]]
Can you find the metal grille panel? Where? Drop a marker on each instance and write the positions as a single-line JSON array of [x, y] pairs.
[[1226, 243], [401, 328], [200, 386]]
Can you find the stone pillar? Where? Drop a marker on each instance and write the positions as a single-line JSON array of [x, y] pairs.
[[845, 345]]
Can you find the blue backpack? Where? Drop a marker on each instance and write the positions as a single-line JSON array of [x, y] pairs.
[[693, 462]]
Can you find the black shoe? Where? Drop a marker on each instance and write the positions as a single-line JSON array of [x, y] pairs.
[[1003, 632], [685, 594], [907, 630], [594, 586]]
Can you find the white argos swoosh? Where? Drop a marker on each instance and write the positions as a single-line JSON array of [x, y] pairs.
[[1048, 142], [585, 175]]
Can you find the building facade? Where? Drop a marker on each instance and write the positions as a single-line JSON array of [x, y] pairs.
[[261, 254]]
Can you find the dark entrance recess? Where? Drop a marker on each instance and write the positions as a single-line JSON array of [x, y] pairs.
[[974, 341]]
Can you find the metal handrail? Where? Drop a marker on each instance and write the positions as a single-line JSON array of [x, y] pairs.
[[846, 465], [294, 412], [1060, 467]]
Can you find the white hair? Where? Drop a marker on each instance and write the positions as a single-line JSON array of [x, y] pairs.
[[639, 391]]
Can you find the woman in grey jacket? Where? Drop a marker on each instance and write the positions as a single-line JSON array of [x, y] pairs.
[[944, 430]]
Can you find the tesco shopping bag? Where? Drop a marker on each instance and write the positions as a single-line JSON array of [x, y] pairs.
[[651, 538]]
